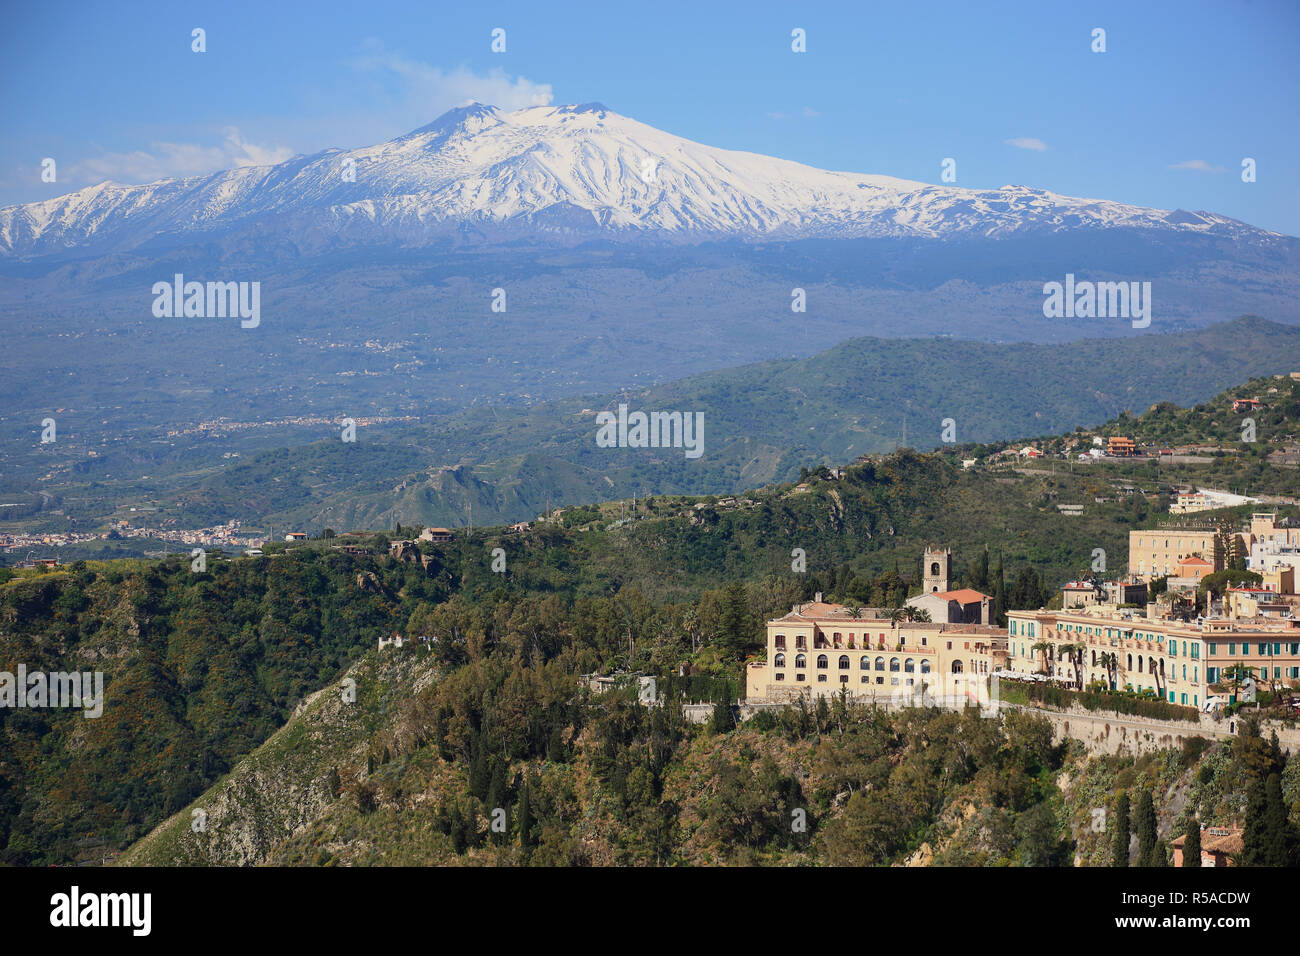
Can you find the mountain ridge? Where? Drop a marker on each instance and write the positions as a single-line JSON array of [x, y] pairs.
[[577, 171]]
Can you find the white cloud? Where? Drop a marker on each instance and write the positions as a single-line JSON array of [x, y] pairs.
[[178, 160], [1198, 165], [807, 113], [1027, 142], [406, 94], [432, 91]]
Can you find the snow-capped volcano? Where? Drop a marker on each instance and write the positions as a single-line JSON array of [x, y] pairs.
[[579, 170]]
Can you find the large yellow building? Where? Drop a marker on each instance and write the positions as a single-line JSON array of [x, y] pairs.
[[1124, 649], [1158, 552], [820, 648]]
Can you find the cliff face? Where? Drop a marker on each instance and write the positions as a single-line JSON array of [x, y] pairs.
[[307, 769], [403, 763]]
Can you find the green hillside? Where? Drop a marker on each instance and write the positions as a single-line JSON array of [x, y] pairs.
[[202, 668], [763, 423], [497, 763]]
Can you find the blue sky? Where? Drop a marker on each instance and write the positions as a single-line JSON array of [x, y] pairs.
[[1163, 118]]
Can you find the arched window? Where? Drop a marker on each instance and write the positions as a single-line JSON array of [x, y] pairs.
[[865, 663], [779, 661], [925, 667], [844, 662], [880, 663], [893, 663], [800, 661], [1130, 662], [1139, 663], [821, 661], [910, 666]]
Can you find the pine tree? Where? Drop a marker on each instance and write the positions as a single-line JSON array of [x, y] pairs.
[[735, 618], [1146, 829], [1192, 842], [1119, 851]]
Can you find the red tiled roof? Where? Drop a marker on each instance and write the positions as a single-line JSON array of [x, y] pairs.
[[963, 596]]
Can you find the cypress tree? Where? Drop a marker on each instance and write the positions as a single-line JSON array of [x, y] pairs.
[[479, 774], [722, 718], [525, 819], [1146, 829], [1275, 756], [555, 746], [1278, 852], [823, 714], [496, 792], [1192, 843], [458, 835], [1255, 835], [999, 611], [1119, 851], [1160, 854]]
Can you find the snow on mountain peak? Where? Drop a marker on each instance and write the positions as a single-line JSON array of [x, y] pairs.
[[551, 170]]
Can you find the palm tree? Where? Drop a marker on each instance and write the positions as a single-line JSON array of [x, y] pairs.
[[1076, 652], [1042, 647], [1235, 673], [1110, 661]]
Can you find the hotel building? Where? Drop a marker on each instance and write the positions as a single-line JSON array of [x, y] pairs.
[[1124, 649], [820, 648], [1158, 552]]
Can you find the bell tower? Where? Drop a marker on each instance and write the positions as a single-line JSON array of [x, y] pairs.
[[937, 570]]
